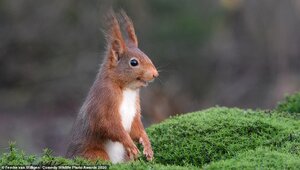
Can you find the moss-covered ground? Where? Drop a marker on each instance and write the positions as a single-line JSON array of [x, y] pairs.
[[215, 138]]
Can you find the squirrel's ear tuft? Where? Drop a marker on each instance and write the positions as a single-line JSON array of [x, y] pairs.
[[116, 46], [114, 35], [129, 28]]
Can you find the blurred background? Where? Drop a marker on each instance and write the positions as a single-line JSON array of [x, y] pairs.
[[210, 52]]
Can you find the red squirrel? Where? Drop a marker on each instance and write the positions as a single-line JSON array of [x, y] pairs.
[[109, 122]]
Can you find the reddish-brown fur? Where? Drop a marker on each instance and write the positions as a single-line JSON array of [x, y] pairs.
[[99, 118]]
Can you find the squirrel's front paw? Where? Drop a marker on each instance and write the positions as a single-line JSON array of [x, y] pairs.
[[132, 152], [148, 153]]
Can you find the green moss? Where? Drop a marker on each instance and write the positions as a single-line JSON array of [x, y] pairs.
[[17, 157], [212, 138], [218, 133], [290, 104], [141, 165], [261, 158], [291, 144]]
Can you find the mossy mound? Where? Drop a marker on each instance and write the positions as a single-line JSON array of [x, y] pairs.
[[211, 139], [218, 133], [290, 104], [261, 158]]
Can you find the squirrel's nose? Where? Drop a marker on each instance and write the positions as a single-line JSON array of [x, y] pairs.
[[151, 74], [155, 73]]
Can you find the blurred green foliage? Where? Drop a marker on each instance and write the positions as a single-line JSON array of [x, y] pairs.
[[290, 104]]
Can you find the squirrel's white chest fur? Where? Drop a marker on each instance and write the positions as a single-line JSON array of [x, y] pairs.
[[127, 110]]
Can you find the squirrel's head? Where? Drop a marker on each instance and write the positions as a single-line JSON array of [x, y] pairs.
[[126, 63]]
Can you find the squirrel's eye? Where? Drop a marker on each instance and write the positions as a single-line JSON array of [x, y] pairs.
[[134, 62]]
